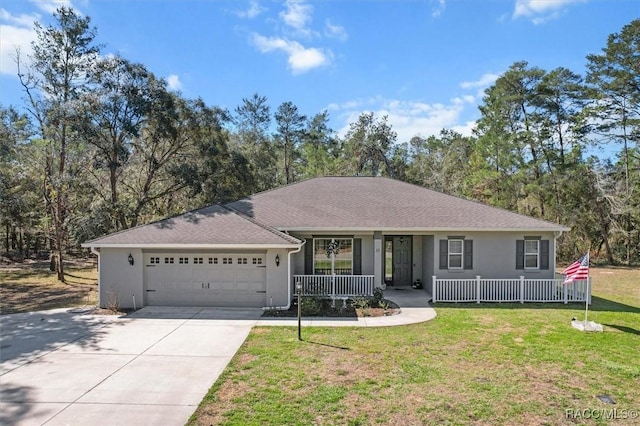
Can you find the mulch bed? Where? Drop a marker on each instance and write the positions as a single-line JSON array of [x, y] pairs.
[[339, 311]]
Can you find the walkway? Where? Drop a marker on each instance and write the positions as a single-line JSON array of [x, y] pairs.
[[414, 308]]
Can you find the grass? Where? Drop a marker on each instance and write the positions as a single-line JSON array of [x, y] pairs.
[[30, 286], [473, 364]]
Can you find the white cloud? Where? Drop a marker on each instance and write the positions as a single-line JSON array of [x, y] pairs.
[[50, 6], [541, 11], [439, 8], [174, 83], [485, 81], [17, 33], [252, 11], [409, 118], [297, 15], [23, 20], [335, 31], [301, 59]]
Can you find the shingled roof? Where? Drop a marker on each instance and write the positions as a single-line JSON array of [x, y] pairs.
[[377, 203], [323, 204], [211, 226]]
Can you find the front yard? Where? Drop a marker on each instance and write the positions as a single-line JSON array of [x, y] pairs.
[[31, 286], [473, 364]]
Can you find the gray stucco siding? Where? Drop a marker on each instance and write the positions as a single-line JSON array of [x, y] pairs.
[[118, 281], [494, 255]]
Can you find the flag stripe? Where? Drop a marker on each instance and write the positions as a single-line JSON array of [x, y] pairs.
[[578, 270]]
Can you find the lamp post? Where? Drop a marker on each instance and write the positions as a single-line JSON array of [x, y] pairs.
[[299, 291]]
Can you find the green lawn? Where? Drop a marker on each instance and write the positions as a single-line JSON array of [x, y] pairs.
[[473, 364]]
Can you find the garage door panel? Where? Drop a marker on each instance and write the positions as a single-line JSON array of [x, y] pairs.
[[205, 279], [200, 273]]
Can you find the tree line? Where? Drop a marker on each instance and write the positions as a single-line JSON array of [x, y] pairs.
[[101, 144]]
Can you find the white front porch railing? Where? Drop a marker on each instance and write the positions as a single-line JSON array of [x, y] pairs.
[[337, 286], [510, 290]]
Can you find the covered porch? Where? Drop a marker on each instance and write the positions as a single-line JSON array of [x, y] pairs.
[[356, 265], [451, 266]]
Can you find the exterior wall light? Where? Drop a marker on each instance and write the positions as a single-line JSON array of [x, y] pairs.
[[131, 262], [277, 260]]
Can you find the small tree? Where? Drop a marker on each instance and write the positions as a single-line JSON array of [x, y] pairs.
[[54, 81]]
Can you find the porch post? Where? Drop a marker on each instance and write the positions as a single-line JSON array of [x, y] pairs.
[[377, 259], [433, 288]]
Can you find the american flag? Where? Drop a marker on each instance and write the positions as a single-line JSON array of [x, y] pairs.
[[578, 270]]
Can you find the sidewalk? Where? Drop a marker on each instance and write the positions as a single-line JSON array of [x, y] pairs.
[[414, 308]]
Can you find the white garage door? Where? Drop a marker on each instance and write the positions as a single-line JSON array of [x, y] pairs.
[[228, 280]]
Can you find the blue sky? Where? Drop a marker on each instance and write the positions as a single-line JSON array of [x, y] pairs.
[[424, 63]]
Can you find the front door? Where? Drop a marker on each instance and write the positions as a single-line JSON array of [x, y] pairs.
[[402, 261]]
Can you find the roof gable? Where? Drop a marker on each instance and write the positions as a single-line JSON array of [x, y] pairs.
[[213, 225], [377, 203]]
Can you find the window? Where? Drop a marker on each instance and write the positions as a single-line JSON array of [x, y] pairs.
[[531, 254], [183, 260], [256, 261], [455, 254], [227, 261], [168, 260], [343, 264], [242, 261], [388, 260], [197, 260], [154, 260]]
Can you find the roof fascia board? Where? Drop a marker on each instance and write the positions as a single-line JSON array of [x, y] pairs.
[[413, 230], [193, 246]]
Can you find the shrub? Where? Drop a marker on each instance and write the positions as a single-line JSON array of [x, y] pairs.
[[384, 304], [311, 306], [361, 303], [377, 295]]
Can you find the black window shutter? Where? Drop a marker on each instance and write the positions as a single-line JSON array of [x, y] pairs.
[[544, 254], [468, 254], [308, 257], [444, 254], [357, 256], [519, 254]]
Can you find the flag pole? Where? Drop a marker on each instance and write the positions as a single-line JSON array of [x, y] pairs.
[[586, 294], [586, 300]]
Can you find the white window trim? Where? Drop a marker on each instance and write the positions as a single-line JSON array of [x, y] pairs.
[[329, 239], [537, 254], [450, 253]]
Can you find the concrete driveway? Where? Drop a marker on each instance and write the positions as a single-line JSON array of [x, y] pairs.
[[63, 367]]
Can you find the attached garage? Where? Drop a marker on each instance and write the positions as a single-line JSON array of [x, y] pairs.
[[209, 257], [205, 279]]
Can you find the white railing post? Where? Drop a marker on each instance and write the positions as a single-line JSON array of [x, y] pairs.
[[433, 290], [521, 288], [477, 288], [333, 286], [566, 291]]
